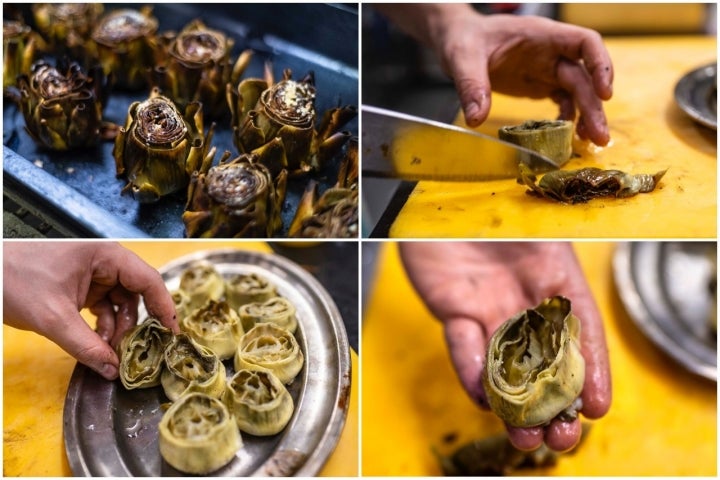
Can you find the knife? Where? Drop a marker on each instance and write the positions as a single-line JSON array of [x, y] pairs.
[[395, 145]]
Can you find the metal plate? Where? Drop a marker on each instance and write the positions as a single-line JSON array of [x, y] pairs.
[[667, 289], [60, 181], [696, 94], [110, 431]]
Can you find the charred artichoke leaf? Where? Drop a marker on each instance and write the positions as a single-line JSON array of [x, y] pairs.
[[333, 215], [551, 138], [579, 186], [534, 369], [198, 435], [269, 348], [20, 46], [259, 401], [202, 282], [62, 106], [190, 367], [215, 326], [66, 26], [141, 354], [279, 311], [244, 288]]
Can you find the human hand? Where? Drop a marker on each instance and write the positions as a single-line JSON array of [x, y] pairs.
[[474, 287], [46, 284]]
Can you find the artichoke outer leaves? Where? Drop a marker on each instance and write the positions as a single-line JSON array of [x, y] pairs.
[[141, 354], [278, 311], [247, 288], [269, 348], [201, 282], [198, 434], [259, 401], [191, 368], [534, 368], [20, 45], [215, 326]]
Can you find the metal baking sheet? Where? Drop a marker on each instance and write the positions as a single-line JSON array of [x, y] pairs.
[[696, 94], [110, 431], [303, 37], [669, 289]]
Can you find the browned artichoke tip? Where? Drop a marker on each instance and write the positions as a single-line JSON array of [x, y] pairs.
[[195, 65], [334, 215], [159, 147], [61, 106], [237, 198], [19, 48], [122, 41], [66, 26]]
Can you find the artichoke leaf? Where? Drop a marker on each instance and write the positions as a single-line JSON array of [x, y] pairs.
[[259, 401], [190, 367], [246, 288], [141, 354], [267, 347], [215, 326], [278, 311]]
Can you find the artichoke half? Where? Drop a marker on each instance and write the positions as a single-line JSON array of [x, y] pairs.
[[201, 282], [215, 326], [259, 401], [62, 106], [269, 348], [246, 288], [551, 138], [67, 26], [190, 367], [198, 434], [159, 147], [20, 46], [278, 311], [141, 354], [534, 369]]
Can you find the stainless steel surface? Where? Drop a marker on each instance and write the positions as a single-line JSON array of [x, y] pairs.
[[110, 431], [666, 288], [696, 94], [395, 145]]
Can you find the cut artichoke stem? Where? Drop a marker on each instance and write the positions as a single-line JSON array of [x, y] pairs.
[[550, 138], [259, 401]]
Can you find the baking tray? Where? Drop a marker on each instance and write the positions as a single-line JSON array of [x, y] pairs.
[[81, 186], [110, 431], [669, 289], [696, 94]]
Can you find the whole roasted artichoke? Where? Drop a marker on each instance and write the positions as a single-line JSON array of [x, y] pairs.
[[62, 106], [263, 111], [259, 401], [535, 370], [247, 288], [215, 326], [201, 282], [190, 367], [195, 65], [67, 26], [278, 311], [159, 147], [19, 49], [269, 348]]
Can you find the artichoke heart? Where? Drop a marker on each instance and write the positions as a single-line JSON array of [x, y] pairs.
[[259, 401], [246, 288], [535, 370], [190, 367], [198, 435], [159, 147], [579, 186], [269, 348], [551, 138], [215, 326], [278, 311], [141, 354], [201, 282]]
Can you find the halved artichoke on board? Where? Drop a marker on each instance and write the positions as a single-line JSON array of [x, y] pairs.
[[259, 401], [198, 435], [278, 311], [215, 326], [190, 367], [246, 288], [534, 369], [269, 348], [201, 282], [141, 353]]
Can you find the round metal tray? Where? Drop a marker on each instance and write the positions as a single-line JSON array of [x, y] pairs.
[[696, 94], [110, 431], [666, 290]]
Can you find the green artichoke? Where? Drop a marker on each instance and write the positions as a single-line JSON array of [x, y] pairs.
[[159, 147], [259, 401], [195, 65], [62, 106], [19, 49], [535, 370], [141, 354], [67, 26]]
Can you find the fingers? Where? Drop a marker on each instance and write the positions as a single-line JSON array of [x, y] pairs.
[[126, 314], [573, 78], [526, 439], [469, 72], [562, 435], [577, 43], [466, 342]]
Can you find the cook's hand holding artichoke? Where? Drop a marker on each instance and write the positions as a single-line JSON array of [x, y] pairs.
[[190, 367], [259, 401], [535, 370], [141, 354], [215, 326]]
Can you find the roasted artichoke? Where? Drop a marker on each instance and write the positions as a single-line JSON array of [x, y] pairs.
[[237, 198], [122, 43], [278, 311], [67, 26], [182, 303], [262, 112], [551, 138], [201, 282], [198, 434], [141, 354], [19, 50], [195, 65], [534, 369], [269, 348], [190, 367], [259, 401], [62, 106], [215, 326], [248, 288], [159, 147]]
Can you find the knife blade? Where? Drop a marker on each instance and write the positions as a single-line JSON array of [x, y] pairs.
[[395, 145]]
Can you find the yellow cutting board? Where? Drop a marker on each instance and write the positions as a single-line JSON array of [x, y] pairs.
[[663, 420], [649, 133]]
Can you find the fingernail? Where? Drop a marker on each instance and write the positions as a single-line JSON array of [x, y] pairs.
[[472, 112], [109, 371]]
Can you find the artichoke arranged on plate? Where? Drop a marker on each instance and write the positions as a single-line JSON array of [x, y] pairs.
[[190, 367], [195, 65], [201, 282], [20, 46], [278, 311], [141, 353], [269, 348], [160, 147], [259, 401], [551, 138], [67, 26], [246, 288], [62, 106], [535, 370], [198, 434], [215, 326]]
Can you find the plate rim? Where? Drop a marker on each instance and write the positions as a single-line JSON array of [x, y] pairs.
[[683, 100]]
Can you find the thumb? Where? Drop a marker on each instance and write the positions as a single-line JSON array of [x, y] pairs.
[[466, 341], [470, 74]]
